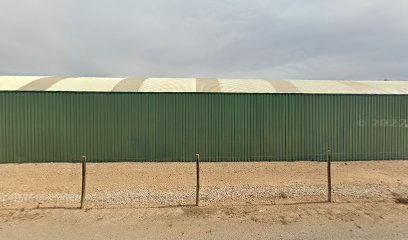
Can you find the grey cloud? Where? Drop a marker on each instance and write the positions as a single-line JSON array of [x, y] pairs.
[[348, 39]]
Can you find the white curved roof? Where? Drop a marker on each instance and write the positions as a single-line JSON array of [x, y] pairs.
[[221, 85]]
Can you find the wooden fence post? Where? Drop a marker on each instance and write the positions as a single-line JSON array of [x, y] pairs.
[[329, 186], [197, 156], [83, 181]]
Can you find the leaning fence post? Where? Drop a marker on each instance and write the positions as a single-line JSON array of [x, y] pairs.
[[83, 181], [197, 157], [329, 158]]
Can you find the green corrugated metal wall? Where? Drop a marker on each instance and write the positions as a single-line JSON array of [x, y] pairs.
[[46, 126]]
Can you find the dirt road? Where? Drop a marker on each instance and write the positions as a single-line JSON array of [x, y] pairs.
[[239, 201]]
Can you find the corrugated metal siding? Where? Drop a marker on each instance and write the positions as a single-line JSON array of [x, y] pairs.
[[47, 126]]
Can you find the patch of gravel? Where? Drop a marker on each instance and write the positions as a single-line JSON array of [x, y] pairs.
[[209, 194]]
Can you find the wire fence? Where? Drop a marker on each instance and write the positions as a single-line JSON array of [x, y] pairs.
[[296, 186]]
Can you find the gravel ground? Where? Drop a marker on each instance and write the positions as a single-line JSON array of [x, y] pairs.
[[123, 184], [145, 196], [265, 200]]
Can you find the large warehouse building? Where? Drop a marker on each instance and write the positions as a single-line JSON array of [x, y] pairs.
[[44, 119]]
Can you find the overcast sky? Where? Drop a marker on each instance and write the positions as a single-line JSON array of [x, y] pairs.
[[314, 39]]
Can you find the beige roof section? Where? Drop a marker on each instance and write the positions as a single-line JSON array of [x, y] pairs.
[[322, 86], [284, 86], [13, 83], [129, 85], [246, 85], [387, 87], [40, 84], [85, 84], [169, 85], [206, 85]]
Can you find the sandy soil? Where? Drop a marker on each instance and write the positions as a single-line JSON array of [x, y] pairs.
[[267, 200]]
